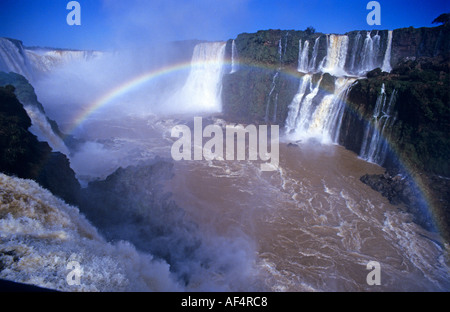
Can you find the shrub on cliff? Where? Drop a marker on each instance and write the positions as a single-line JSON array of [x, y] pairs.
[[442, 19]]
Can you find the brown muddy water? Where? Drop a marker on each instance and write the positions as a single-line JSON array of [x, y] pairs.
[[313, 226]]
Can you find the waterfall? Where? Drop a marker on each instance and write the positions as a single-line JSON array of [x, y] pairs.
[[294, 107], [280, 50], [274, 82], [301, 108], [387, 56], [316, 113], [234, 56], [32, 62], [336, 55], [311, 115], [14, 59], [42, 129], [312, 64], [275, 106], [334, 119], [374, 147], [272, 88], [369, 53], [303, 57], [354, 52], [203, 87]]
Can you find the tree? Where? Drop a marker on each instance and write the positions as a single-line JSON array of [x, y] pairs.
[[442, 19], [310, 30]]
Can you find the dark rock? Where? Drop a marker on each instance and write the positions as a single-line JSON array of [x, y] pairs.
[[26, 95], [419, 134], [57, 176], [10, 286], [420, 42], [374, 73], [401, 191], [20, 152], [22, 155]]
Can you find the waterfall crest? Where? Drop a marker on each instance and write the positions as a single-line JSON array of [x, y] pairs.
[[317, 109], [203, 88]]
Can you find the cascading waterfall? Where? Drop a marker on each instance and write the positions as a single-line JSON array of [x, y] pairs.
[[285, 44], [291, 121], [275, 106], [327, 118], [354, 52], [316, 113], [33, 62], [312, 64], [303, 56], [234, 57], [369, 54], [387, 56], [274, 82], [43, 130], [14, 59], [374, 147], [280, 50], [272, 88], [336, 55], [301, 106], [313, 114], [307, 119], [203, 87]]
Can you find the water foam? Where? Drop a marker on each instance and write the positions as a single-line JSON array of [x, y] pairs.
[[38, 230]]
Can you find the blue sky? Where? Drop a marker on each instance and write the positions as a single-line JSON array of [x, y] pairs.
[[108, 24]]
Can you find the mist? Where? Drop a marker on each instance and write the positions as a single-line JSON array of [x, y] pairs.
[[71, 90], [144, 36], [149, 37]]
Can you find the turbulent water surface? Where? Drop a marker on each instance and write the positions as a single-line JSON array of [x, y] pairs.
[[310, 225]]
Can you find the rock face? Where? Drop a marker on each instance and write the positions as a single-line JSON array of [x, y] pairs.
[[27, 97], [262, 80], [22, 155], [400, 190], [404, 192], [411, 123], [420, 42], [267, 79], [419, 133]]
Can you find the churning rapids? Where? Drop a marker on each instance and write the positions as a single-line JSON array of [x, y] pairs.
[[310, 225]]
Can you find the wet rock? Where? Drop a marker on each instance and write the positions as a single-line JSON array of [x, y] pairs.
[[22, 155], [401, 191]]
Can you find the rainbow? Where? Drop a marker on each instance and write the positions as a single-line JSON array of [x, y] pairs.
[[124, 88], [130, 85], [136, 82]]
